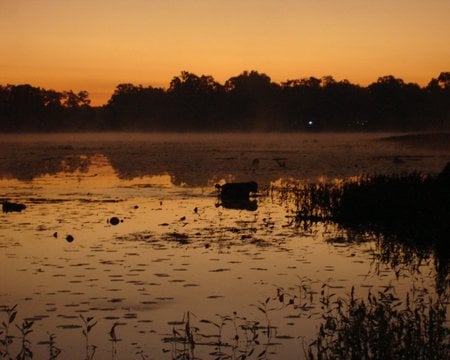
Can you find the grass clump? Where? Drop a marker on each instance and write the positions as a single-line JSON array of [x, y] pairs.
[[413, 208], [382, 327]]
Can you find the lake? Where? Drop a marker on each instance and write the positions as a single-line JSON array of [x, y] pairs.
[[241, 282]]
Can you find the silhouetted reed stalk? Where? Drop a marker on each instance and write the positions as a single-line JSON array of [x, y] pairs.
[[265, 308], [382, 327], [113, 339], [53, 350], [25, 329], [397, 202], [25, 351], [88, 324], [219, 325], [7, 339], [412, 209], [238, 340], [184, 335], [251, 333]]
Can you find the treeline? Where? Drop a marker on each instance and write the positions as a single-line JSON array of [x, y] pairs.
[[24, 108], [247, 102]]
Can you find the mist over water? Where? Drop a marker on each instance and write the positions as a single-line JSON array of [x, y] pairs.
[[198, 159], [173, 250]]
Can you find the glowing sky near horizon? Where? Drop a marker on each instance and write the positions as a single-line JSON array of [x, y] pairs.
[[95, 45]]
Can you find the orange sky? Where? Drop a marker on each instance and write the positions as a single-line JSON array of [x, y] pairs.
[[94, 45]]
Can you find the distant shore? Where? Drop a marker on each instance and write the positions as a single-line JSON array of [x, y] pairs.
[[435, 140]]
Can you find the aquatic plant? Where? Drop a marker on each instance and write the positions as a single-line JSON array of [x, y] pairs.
[[53, 350], [7, 339], [265, 308], [113, 339], [412, 205], [381, 327], [219, 325], [409, 209], [25, 351], [88, 324], [236, 337], [185, 335], [24, 348]]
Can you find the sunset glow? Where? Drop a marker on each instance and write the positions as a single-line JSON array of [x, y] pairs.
[[95, 45]]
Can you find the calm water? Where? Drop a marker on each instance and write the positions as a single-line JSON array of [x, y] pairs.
[[174, 250]]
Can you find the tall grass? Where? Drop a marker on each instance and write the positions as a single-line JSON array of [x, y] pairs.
[[408, 215], [381, 327], [414, 206], [413, 209]]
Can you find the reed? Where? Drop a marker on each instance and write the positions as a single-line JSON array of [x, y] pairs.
[[53, 350], [7, 338], [412, 208], [184, 338], [378, 326], [381, 327], [113, 338], [88, 324], [25, 350]]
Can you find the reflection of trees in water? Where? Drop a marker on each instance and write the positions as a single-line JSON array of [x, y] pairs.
[[41, 160], [197, 160], [195, 166]]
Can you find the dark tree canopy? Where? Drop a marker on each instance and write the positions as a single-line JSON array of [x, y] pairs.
[[250, 101]]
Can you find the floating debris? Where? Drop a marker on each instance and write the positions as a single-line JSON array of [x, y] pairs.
[[237, 195], [114, 220], [13, 207], [237, 191], [182, 239]]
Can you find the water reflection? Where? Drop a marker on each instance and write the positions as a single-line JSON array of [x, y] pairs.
[[249, 205], [237, 196], [202, 160], [256, 274]]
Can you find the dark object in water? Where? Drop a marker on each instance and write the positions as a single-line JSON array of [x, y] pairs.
[[13, 207], [114, 220], [69, 238], [181, 239], [250, 205], [237, 195], [237, 191]]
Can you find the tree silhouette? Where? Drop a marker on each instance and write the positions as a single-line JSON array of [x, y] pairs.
[[444, 80], [195, 102], [254, 102], [135, 107], [249, 101]]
